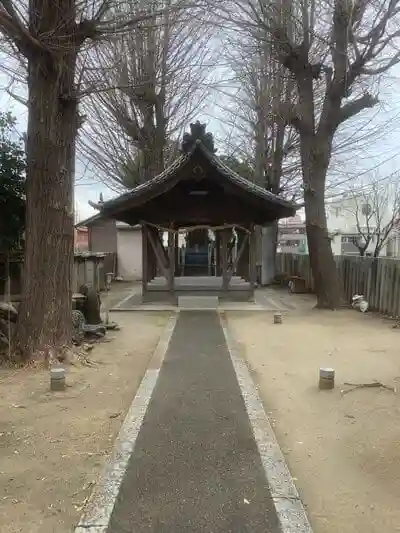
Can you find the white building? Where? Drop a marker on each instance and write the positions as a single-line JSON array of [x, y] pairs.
[[349, 214], [292, 237], [345, 216]]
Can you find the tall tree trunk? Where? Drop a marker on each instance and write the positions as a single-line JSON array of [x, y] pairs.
[[315, 155], [45, 313], [315, 152], [153, 162], [268, 247], [322, 263], [153, 140], [323, 266]]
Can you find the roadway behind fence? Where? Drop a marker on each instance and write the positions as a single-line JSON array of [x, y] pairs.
[[378, 279]]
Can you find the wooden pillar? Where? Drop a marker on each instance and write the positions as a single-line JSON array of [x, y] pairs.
[[154, 267], [157, 234], [253, 257], [218, 252], [242, 268], [145, 257], [171, 260], [96, 267], [239, 263], [85, 273], [224, 260], [151, 258], [177, 258]]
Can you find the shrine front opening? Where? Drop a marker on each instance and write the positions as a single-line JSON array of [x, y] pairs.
[[198, 221], [208, 261]]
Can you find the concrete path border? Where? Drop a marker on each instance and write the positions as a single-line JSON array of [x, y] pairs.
[[98, 510], [289, 507], [239, 308]]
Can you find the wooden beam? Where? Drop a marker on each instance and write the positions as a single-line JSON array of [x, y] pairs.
[[152, 259], [177, 258], [242, 267], [171, 260], [184, 208], [253, 257], [145, 272], [224, 253], [218, 253], [161, 259], [158, 239], [239, 254]]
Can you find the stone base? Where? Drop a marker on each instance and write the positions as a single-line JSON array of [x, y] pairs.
[[161, 296], [196, 287]]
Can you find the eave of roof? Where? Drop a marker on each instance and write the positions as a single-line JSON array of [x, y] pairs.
[[179, 164], [158, 180], [245, 183], [87, 221], [98, 216]]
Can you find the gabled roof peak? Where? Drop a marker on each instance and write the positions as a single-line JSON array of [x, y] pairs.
[[197, 135]]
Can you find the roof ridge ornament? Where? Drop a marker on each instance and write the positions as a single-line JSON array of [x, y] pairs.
[[196, 137]]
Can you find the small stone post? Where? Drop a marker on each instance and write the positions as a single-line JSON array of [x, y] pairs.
[[277, 318], [326, 378], [57, 379]]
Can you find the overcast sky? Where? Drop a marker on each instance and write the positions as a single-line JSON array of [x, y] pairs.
[[378, 155]]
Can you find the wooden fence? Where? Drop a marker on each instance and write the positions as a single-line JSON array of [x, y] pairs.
[[377, 279], [89, 269]]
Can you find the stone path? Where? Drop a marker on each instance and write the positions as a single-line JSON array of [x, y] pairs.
[[195, 467]]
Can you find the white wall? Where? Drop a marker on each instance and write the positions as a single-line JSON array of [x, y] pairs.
[[129, 251], [336, 245], [341, 217]]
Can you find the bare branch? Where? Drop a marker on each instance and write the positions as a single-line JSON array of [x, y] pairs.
[[148, 83], [14, 29], [354, 107], [376, 212]]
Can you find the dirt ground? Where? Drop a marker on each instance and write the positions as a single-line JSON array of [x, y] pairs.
[[342, 449], [53, 445]]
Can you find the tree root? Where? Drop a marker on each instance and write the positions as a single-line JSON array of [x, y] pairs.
[[373, 385], [67, 354], [75, 355]]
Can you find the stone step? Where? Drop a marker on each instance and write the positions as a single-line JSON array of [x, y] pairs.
[[198, 302]]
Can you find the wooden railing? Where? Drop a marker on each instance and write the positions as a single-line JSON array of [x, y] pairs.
[[377, 279]]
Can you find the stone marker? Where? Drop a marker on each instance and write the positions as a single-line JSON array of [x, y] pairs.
[[57, 379], [277, 318], [326, 378]]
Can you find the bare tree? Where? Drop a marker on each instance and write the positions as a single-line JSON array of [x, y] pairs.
[[263, 86], [50, 37], [338, 48], [376, 212], [155, 79]]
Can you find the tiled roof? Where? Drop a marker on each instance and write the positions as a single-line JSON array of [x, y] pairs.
[[151, 184], [219, 166]]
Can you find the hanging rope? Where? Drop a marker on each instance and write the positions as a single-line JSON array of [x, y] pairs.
[[200, 226]]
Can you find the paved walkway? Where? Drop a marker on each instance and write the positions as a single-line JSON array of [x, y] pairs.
[[195, 467]]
